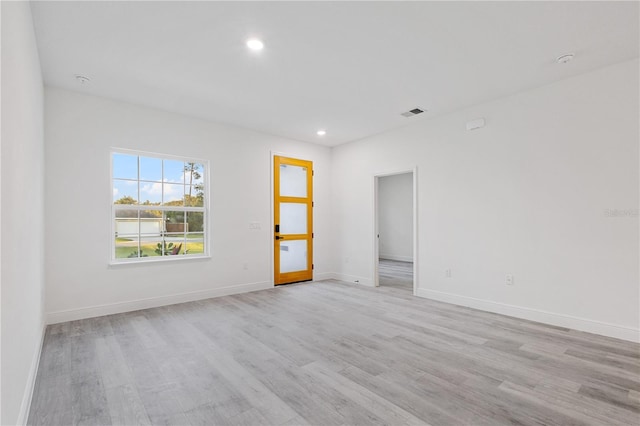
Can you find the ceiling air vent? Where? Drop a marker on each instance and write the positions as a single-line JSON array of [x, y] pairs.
[[412, 112]]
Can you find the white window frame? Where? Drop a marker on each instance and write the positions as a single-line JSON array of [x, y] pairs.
[[115, 207]]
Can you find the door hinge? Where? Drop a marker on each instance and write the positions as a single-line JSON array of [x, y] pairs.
[[312, 235], [313, 204], [313, 172], [312, 266]]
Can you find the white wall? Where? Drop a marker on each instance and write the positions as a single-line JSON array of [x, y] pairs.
[[527, 195], [22, 211], [395, 217], [79, 132]]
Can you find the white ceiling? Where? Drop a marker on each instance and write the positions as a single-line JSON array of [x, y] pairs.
[[351, 68]]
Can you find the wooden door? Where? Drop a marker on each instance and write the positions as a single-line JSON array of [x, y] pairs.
[[293, 220]]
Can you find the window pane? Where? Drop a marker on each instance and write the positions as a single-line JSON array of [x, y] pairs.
[[175, 222], [150, 204], [195, 221], [125, 191], [150, 192], [126, 222], [293, 181], [169, 246], [125, 166], [194, 195], [126, 247], [149, 245], [193, 173], [151, 213], [151, 230], [195, 244], [173, 194], [126, 233], [151, 223], [173, 171], [127, 213], [151, 169]]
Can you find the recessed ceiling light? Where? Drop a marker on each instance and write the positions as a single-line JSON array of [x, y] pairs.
[[565, 58], [255, 44], [321, 132]]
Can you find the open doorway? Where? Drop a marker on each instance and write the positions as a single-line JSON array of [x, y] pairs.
[[395, 231]]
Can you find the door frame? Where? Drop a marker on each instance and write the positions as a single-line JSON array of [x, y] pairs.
[[272, 215], [376, 240]]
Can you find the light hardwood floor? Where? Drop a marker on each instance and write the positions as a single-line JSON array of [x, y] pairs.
[[331, 353], [394, 273]]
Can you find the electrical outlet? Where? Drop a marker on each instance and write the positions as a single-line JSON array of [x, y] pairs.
[[447, 273], [509, 279], [254, 225]]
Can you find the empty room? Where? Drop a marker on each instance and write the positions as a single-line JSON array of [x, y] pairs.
[[320, 213]]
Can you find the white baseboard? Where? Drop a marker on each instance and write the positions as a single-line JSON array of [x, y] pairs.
[[560, 320], [394, 257], [25, 406], [353, 279], [324, 276], [152, 302]]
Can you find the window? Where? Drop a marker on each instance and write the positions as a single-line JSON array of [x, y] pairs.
[[159, 207]]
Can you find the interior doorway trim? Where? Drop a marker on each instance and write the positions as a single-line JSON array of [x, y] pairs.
[[376, 240]]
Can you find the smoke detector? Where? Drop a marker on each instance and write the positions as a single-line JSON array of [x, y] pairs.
[[412, 112], [565, 58]]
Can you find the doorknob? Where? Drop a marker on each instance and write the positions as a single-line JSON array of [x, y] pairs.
[[278, 237]]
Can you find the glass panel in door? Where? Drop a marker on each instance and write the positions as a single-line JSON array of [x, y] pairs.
[[293, 256], [293, 181], [293, 218]]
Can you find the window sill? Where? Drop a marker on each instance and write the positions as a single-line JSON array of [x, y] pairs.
[[159, 259]]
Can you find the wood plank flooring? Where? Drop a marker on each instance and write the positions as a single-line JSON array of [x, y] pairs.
[[394, 273], [331, 353]]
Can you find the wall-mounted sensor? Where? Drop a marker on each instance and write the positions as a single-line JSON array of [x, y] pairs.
[[476, 124], [412, 112], [565, 58]]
